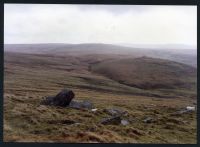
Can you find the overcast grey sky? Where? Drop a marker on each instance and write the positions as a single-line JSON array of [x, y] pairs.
[[131, 24]]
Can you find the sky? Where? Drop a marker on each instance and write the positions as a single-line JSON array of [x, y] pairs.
[[113, 24]]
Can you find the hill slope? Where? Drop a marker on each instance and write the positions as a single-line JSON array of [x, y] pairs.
[[30, 77], [188, 57], [148, 73]]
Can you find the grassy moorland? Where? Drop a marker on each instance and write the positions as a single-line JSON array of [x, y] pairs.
[[149, 73], [30, 77]]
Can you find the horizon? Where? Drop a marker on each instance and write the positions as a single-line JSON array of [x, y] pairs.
[[171, 47], [133, 46]]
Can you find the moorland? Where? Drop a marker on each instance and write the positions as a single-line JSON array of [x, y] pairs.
[[146, 83]]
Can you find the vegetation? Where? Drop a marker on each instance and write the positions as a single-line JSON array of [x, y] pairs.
[[30, 77]]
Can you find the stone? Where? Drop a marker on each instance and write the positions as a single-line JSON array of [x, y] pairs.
[[94, 110], [47, 101], [148, 120], [87, 104], [65, 121], [81, 104], [184, 111], [62, 99], [115, 112], [190, 108], [124, 122], [116, 120]]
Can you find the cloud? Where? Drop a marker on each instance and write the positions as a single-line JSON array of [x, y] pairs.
[[48, 23]]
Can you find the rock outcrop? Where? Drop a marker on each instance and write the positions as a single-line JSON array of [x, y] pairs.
[[62, 99]]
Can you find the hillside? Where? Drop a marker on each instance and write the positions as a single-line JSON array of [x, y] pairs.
[[149, 73], [28, 78], [188, 57]]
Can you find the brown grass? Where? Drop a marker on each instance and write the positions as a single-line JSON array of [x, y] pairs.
[[25, 120]]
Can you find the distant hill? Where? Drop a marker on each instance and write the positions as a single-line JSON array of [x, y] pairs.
[[148, 73], [161, 46], [188, 57]]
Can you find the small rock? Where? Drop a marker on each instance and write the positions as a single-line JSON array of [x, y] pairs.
[[185, 122], [124, 122], [75, 104], [184, 111], [81, 105], [148, 120], [115, 112], [94, 110], [77, 124], [66, 122], [87, 104], [153, 105], [190, 108], [116, 120]]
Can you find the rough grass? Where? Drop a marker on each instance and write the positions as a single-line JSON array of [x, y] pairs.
[[149, 73], [25, 120]]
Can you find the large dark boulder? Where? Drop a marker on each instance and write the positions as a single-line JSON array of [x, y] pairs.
[[62, 99]]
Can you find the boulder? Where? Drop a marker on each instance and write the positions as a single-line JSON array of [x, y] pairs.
[[81, 104], [62, 99]]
